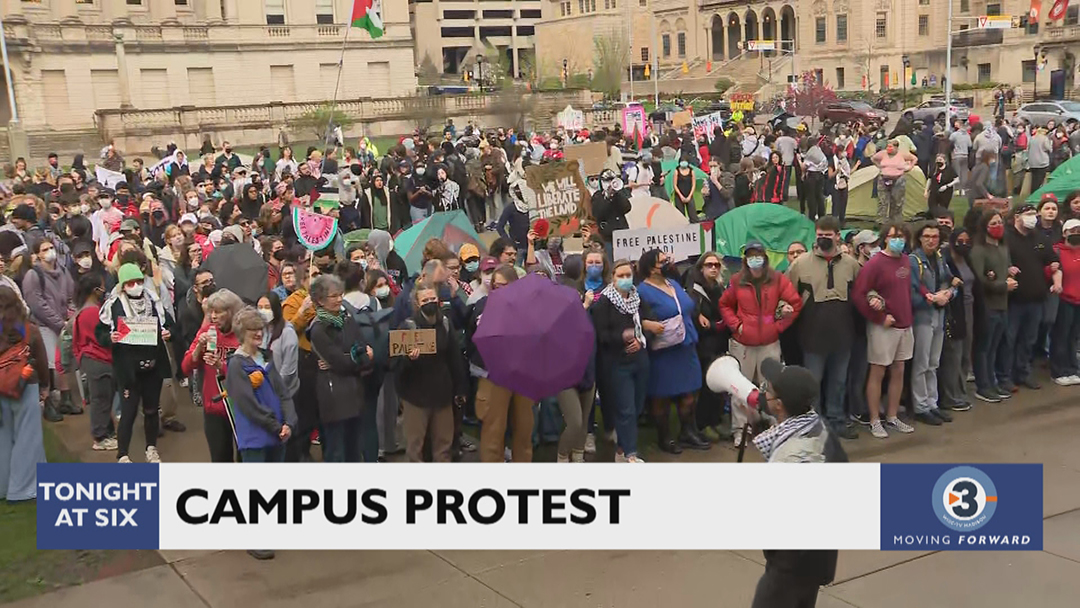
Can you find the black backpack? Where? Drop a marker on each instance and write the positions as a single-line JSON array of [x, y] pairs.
[[375, 328]]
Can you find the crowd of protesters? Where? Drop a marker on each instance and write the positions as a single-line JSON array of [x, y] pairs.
[[106, 293]]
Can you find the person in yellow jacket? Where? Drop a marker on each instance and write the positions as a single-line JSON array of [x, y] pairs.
[[298, 310]]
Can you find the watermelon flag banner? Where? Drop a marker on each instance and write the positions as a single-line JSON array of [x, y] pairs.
[[367, 15], [314, 231]]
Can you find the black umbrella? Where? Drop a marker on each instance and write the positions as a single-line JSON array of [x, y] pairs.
[[239, 269]]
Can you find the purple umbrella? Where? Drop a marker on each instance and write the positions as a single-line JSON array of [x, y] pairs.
[[535, 337]]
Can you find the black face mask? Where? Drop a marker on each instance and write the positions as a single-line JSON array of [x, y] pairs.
[[1073, 239], [279, 255], [429, 309], [965, 248], [825, 243], [208, 290]]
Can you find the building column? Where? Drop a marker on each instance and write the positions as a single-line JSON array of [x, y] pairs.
[[65, 10], [232, 14], [211, 10], [122, 72], [116, 9], [163, 11]]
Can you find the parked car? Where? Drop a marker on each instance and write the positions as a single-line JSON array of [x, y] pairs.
[[846, 111], [934, 109], [1040, 112]]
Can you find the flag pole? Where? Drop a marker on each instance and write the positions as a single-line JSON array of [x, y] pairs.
[[337, 83]]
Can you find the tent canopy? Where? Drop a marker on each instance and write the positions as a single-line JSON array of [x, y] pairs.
[[669, 168], [1062, 182], [776, 226], [451, 227], [863, 205]]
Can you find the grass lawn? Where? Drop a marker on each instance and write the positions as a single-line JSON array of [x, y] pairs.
[[25, 571]]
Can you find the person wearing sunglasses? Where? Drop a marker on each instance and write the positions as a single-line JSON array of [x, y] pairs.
[[707, 281]]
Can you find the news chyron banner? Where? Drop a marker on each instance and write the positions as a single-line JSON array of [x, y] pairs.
[[540, 506]]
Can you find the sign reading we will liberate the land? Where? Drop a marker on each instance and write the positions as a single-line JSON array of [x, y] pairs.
[[678, 243], [559, 191]]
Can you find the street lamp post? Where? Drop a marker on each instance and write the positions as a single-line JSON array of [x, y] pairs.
[[7, 73], [480, 71], [948, 72]]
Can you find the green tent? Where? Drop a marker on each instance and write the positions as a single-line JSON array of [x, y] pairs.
[[776, 226], [863, 205], [669, 166], [453, 228], [1063, 181]]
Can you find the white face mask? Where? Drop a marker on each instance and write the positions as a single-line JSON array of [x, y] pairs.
[[85, 262], [193, 203], [106, 203], [134, 291], [49, 256], [1029, 221], [267, 315], [382, 292]]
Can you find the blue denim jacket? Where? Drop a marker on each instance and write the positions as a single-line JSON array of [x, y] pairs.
[[922, 283]]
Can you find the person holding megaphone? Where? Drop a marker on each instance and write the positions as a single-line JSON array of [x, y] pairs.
[[800, 435]]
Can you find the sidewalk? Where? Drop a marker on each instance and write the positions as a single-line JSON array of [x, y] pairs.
[[1034, 427]]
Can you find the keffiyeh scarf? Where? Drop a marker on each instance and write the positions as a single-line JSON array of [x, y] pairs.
[[773, 438]]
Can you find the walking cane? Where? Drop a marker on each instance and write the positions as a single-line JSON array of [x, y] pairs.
[[742, 441]]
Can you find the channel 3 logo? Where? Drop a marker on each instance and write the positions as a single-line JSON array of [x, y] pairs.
[[964, 499]]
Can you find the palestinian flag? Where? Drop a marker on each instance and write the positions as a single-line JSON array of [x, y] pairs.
[[367, 14]]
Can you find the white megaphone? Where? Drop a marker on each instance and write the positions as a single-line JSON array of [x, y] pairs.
[[725, 376]]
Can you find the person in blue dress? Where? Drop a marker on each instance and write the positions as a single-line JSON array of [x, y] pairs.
[[674, 369]]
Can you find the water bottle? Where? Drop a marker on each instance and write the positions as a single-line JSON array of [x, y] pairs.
[[211, 339]]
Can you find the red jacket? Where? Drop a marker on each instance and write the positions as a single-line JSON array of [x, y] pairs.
[[1070, 272], [751, 316], [226, 343], [83, 342]]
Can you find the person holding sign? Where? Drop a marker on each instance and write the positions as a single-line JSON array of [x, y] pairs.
[[429, 383], [136, 326]]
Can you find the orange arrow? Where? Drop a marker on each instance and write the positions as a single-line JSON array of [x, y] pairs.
[[953, 498]]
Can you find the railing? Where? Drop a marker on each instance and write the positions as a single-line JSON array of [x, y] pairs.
[[22, 32], [196, 33], [116, 122], [1066, 32]]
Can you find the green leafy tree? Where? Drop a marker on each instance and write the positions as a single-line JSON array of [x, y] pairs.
[[317, 121], [609, 54], [428, 73], [723, 84]]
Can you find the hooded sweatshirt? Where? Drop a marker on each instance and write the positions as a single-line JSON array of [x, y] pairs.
[[48, 293]]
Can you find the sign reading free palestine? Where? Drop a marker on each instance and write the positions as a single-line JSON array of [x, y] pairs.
[[678, 242]]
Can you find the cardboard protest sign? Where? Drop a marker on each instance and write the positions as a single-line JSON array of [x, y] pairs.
[[557, 192], [570, 119], [137, 333], [681, 119], [678, 242], [108, 178], [705, 125], [743, 102], [404, 340], [633, 118], [592, 156]]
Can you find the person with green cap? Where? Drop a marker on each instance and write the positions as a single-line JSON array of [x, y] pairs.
[[140, 367]]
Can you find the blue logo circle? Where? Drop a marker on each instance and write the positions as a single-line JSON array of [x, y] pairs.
[[964, 499]]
